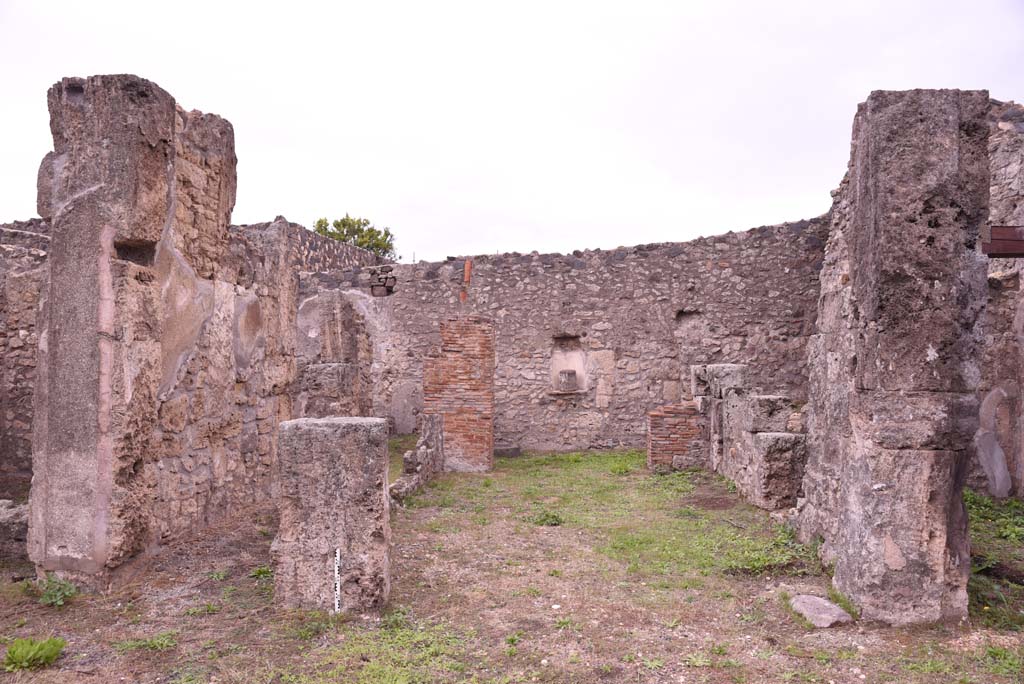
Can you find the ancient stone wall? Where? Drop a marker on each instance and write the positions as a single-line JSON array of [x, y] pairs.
[[894, 371], [629, 322], [168, 339], [424, 462], [998, 461], [677, 437], [458, 385], [23, 248]]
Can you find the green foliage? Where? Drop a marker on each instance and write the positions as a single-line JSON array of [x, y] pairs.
[[843, 601], [160, 642], [261, 573], [1003, 520], [56, 591], [32, 654], [546, 518], [359, 232], [205, 609], [219, 575], [1003, 661]]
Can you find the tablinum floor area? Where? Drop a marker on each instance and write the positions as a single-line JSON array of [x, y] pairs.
[[553, 568]]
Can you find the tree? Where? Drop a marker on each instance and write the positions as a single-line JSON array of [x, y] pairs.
[[359, 232]]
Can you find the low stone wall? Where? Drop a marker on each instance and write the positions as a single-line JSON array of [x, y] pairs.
[[677, 438], [458, 384], [332, 549], [423, 463]]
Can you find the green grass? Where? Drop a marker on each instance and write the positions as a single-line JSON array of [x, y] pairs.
[[997, 549], [160, 642], [843, 601], [397, 446], [32, 654], [637, 518]]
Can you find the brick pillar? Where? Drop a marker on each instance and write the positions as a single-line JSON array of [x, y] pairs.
[[676, 437], [334, 508], [458, 383]]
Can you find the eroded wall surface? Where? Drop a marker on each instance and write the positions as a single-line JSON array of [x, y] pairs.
[[894, 362], [23, 246], [167, 338], [628, 321]]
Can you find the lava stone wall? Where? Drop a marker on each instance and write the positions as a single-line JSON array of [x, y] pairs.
[[631, 319], [23, 248]]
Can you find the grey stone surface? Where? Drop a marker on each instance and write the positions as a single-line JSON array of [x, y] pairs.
[[894, 367], [13, 530], [333, 500], [820, 612], [424, 462]]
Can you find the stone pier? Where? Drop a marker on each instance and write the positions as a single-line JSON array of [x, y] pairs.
[[893, 362], [334, 536]]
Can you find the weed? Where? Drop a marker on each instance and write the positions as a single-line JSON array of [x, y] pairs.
[[311, 624], [697, 660], [554, 573], [514, 638], [1003, 661], [653, 663], [546, 518], [32, 654], [160, 642], [219, 575], [564, 623], [533, 591], [843, 601], [205, 609], [261, 573], [397, 618], [56, 591]]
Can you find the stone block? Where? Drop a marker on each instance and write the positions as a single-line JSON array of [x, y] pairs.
[[722, 377], [422, 464], [332, 549], [820, 612], [764, 413], [699, 386]]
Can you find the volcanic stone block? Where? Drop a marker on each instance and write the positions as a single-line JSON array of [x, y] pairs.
[[765, 413], [458, 383], [722, 377], [107, 188], [893, 367], [676, 438], [332, 549]]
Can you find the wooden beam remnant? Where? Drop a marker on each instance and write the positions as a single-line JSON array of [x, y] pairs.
[[1004, 242]]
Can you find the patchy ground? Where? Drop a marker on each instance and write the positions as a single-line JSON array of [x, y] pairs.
[[567, 568]]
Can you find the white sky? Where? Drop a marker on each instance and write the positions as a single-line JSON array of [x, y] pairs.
[[481, 126]]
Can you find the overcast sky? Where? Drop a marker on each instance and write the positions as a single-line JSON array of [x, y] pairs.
[[481, 126]]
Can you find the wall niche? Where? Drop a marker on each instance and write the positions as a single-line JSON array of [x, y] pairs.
[[568, 365]]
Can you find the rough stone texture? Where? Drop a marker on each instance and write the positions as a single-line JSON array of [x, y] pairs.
[[677, 438], [1006, 154], [422, 464], [630, 321], [997, 464], [335, 353], [458, 384], [23, 248], [820, 612], [167, 357], [333, 497], [752, 438], [893, 370], [13, 530]]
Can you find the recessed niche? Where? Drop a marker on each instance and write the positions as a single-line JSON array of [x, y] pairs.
[[568, 365]]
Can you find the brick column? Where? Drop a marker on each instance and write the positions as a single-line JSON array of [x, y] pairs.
[[458, 383], [676, 437]]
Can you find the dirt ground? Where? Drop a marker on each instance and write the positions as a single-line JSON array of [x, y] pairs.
[[553, 568]]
